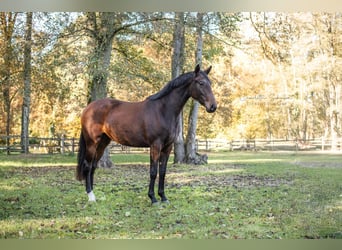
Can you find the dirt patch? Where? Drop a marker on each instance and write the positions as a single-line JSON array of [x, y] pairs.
[[42, 171], [235, 180], [227, 175], [136, 175], [319, 164], [257, 181]]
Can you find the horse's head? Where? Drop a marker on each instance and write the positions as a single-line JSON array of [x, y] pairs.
[[200, 89]]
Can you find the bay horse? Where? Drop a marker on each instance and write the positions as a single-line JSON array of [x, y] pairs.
[[150, 123]]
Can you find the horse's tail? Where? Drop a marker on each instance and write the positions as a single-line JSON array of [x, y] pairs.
[[80, 158]]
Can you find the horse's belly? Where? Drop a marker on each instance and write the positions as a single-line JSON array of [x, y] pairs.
[[127, 137], [132, 143]]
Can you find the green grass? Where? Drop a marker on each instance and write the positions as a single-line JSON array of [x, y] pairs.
[[237, 195]]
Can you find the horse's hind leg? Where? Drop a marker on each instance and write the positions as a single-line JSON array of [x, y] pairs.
[[90, 180], [104, 141], [89, 184], [89, 173]]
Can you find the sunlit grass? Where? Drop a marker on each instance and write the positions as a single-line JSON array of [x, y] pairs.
[[247, 195]]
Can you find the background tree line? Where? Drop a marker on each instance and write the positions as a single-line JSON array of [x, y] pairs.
[[275, 75]]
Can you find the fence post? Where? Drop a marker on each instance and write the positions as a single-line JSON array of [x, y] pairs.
[[8, 149], [27, 144], [62, 144], [73, 145]]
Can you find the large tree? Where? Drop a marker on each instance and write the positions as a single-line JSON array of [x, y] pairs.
[[102, 29], [324, 67], [25, 120], [7, 28], [177, 69], [191, 155]]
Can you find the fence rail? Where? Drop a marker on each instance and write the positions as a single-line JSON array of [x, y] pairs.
[[269, 145], [66, 145]]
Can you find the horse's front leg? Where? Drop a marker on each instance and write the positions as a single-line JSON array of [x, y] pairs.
[[164, 157], [154, 161]]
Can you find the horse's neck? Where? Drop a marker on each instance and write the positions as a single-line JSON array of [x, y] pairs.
[[176, 100]]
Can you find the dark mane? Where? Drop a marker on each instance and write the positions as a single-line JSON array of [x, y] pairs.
[[175, 83]]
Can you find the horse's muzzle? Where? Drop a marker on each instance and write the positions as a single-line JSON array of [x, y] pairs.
[[212, 108]]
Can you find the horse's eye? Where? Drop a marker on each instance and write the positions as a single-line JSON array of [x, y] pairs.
[[201, 82]]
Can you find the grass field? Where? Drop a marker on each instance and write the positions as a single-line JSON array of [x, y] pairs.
[[237, 195]]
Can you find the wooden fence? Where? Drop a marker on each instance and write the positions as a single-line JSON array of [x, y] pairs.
[[268, 145], [62, 145], [65, 145]]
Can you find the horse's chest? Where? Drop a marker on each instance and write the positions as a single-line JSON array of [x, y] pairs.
[[162, 130], [171, 132]]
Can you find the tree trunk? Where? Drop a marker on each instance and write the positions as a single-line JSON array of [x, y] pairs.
[[177, 68], [103, 35], [7, 103], [192, 157], [25, 118], [7, 21], [333, 115]]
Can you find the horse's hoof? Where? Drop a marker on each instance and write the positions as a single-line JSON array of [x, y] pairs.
[[154, 204], [91, 197], [166, 202]]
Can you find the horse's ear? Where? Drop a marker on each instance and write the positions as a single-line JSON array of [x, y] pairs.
[[207, 70], [197, 69]]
